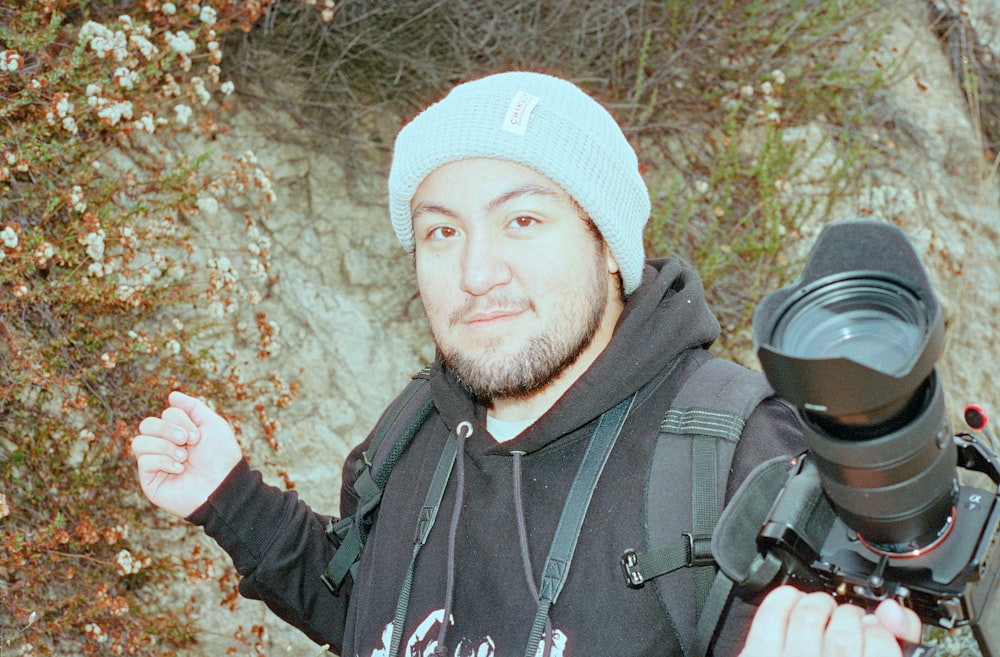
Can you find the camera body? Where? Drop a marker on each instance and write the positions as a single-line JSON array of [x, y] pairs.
[[951, 583], [875, 508]]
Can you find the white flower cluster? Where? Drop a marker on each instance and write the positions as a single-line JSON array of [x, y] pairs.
[[126, 44], [76, 200], [125, 77], [259, 176], [94, 242], [145, 123], [43, 254], [95, 632], [171, 88], [260, 247], [200, 91], [327, 12], [114, 111], [111, 112], [128, 564], [141, 43], [222, 275], [207, 15], [60, 111], [9, 237], [182, 44], [10, 61], [182, 114], [214, 52], [103, 40], [8, 160], [769, 101]]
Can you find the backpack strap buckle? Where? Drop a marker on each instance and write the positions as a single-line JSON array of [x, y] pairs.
[[688, 550], [630, 569], [699, 549]]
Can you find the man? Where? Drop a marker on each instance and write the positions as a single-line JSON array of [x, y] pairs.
[[522, 204]]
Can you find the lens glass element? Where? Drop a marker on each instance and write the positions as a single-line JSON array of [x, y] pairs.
[[874, 322]]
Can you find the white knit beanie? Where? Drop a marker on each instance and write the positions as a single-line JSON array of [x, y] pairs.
[[542, 122]]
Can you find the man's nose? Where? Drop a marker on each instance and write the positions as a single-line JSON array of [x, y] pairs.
[[485, 264]]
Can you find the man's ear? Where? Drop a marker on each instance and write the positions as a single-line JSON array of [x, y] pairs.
[[609, 258]]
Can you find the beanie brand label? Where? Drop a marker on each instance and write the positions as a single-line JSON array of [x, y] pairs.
[[518, 112]]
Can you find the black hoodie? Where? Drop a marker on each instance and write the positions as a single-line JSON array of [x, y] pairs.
[[279, 547]]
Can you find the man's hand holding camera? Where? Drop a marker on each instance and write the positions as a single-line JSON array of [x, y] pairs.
[[790, 622]]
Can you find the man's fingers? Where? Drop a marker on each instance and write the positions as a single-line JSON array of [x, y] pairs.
[[903, 623], [197, 410], [152, 465], [767, 632], [844, 636], [144, 445], [879, 641], [789, 622], [807, 624], [181, 419], [178, 434]]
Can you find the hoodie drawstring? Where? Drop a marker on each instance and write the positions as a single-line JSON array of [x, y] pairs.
[[462, 431], [428, 514]]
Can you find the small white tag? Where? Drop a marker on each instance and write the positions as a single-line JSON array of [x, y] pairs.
[[518, 112]]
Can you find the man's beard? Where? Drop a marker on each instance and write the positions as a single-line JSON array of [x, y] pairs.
[[494, 375]]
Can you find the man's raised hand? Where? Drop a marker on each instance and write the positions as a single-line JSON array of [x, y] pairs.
[[184, 454]]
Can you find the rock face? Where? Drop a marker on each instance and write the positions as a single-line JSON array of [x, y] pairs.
[[352, 332]]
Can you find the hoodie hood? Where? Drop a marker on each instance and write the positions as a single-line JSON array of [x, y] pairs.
[[665, 316]]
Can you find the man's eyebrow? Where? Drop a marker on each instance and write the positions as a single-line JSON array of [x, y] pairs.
[[528, 189], [430, 208]]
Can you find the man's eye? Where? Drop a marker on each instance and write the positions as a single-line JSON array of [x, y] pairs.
[[441, 232], [523, 221]]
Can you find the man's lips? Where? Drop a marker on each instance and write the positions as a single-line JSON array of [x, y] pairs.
[[486, 318]]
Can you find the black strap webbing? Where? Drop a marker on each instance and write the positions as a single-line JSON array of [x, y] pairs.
[[765, 568], [694, 549], [704, 506], [573, 513]]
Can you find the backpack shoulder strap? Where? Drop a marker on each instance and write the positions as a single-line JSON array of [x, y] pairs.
[[693, 453], [400, 421]]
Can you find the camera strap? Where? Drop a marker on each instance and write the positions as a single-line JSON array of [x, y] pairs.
[[737, 528], [574, 511]]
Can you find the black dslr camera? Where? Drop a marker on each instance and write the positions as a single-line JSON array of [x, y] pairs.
[[874, 509]]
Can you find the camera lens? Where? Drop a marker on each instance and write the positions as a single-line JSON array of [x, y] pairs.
[[872, 322], [853, 347]]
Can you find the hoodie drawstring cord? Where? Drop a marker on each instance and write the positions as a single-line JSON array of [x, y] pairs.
[[462, 431], [428, 514]]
